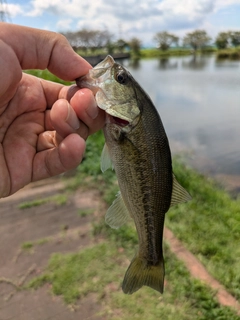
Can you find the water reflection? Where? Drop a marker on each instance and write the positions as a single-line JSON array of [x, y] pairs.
[[229, 64], [166, 63], [196, 62], [135, 63]]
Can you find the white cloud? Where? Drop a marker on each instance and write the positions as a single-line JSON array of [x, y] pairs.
[[38, 7], [64, 24], [12, 9], [226, 3], [74, 8], [128, 18]]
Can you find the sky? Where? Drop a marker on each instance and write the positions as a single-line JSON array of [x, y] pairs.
[[127, 18]]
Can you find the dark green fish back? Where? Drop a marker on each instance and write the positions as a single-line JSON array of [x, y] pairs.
[[142, 162]]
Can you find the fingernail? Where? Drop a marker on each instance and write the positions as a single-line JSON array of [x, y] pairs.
[[92, 110], [72, 118]]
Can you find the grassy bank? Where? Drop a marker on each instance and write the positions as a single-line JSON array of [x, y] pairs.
[[210, 227], [231, 53], [156, 53], [173, 52], [100, 269]]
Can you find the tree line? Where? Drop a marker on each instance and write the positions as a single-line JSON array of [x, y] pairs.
[[92, 40], [198, 39]]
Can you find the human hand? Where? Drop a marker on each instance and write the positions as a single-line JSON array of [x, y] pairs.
[[43, 125]]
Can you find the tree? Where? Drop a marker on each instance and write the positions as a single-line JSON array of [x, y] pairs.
[[135, 46], [222, 40], [79, 39], [196, 39], [89, 39], [121, 45], [164, 40], [235, 38]]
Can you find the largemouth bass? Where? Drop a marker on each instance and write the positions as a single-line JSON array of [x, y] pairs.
[[137, 148]]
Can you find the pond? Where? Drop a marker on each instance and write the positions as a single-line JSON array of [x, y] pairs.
[[198, 99]]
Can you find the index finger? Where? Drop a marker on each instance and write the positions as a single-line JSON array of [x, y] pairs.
[[41, 49]]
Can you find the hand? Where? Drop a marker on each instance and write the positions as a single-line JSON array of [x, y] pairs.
[[43, 125]]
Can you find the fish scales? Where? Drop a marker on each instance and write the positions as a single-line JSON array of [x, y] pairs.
[[138, 148], [149, 194]]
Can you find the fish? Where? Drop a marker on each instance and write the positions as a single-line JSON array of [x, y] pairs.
[[137, 148]]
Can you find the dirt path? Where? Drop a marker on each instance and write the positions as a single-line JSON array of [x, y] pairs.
[[59, 229]]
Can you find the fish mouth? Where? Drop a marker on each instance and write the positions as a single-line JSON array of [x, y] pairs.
[[118, 121]]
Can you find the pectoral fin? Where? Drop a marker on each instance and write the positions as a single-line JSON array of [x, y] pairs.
[[179, 194], [106, 161], [118, 213]]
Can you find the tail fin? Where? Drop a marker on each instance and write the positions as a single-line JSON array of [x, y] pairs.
[[139, 274]]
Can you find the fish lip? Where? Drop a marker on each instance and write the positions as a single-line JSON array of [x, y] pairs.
[[95, 73], [87, 82], [92, 80], [108, 62]]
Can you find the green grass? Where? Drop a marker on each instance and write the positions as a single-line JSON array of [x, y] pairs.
[[42, 241], [47, 75], [85, 212], [30, 204], [60, 200], [209, 225], [75, 275], [27, 245], [230, 53], [155, 53], [176, 52]]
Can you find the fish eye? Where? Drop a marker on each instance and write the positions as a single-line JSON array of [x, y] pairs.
[[122, 77]]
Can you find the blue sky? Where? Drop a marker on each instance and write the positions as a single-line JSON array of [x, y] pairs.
[[128, 18]]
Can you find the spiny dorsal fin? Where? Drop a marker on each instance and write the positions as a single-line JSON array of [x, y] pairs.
[[118, 213], [106, 161], [179, 194]]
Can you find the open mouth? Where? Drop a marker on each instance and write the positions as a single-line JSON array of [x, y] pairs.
[[119, 121]]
